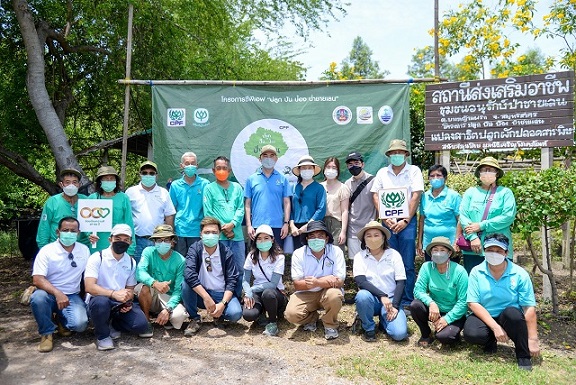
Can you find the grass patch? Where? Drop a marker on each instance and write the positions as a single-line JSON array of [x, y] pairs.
[[463, 365]]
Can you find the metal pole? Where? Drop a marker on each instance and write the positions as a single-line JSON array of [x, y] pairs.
[[444, 156], [127, 98]]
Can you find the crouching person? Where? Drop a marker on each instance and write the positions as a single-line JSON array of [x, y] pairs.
[[57, 272], [210, 278], [110, 279], [160, 273]]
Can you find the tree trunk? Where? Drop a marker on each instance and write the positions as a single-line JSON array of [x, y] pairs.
[[34, 41], [547, 272]]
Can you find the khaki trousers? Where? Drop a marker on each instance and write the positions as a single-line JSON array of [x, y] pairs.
[[303, 307]]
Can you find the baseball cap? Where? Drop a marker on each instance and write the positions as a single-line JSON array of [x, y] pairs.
[[354, 156], [121, 229]]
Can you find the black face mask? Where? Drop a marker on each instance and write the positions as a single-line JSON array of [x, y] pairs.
[[355, 170], [120, 247]]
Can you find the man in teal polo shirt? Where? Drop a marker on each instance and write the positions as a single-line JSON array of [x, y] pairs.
[[268, 196], [224, 200], [187, 195]]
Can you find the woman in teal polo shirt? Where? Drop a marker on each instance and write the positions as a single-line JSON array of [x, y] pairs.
[[439, 211]]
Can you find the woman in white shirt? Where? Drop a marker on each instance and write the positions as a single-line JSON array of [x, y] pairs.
[[265, 262], [337, 202]]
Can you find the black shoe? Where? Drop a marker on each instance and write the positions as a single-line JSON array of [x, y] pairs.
[[369, 336], [491, 347], [525, 364]]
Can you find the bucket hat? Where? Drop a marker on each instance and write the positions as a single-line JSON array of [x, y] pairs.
[[492, 162]]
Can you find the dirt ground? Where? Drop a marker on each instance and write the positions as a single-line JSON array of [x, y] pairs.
[[236, 354]]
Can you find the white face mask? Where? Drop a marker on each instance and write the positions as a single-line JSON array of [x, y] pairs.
[[440, 257], [494, 258], [488, 177], [307, 174], [70, 190], [330, 173]]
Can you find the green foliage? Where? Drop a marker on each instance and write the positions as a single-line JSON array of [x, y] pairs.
[[461, 182], [358, 65], [530, 63], [8, 243]]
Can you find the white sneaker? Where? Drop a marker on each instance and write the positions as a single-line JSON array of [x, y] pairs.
[[330, 334], [105, 344], [311, 327]]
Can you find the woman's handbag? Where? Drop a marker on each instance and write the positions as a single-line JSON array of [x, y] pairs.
[[463, 243]]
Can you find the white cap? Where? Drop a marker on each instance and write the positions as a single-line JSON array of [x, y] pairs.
[[121, 229], [265, 229]]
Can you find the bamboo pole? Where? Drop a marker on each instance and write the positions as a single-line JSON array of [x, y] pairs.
[[126, 98]]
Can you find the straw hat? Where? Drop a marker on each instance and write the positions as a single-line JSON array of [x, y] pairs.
[[492, 162], [306, 160], [439, 241], [373, 225], [397, 144], [163, 231]]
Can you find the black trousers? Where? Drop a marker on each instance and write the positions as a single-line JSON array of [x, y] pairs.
[[271, 301], [449, 335], [512, 321]]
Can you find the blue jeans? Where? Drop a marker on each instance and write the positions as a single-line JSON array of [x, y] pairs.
[[100, 308], [368, 305], [141, 244], [405, 243], [192, 301], [73, 317], [238, 248]]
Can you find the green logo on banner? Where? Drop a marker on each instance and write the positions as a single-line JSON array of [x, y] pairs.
[[262, 137], [393, 200], [176, 114]]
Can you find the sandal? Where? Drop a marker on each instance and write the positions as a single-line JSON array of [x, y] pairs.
[[425, 342]]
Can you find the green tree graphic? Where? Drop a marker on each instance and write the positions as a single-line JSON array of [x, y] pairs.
[[262, 137]]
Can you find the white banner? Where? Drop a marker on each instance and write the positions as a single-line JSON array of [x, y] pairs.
[[393, 203], [95, 215]]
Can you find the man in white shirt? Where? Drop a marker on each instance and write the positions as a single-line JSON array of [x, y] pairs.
[[57, 272], [403, 239], [210, 278], [318, 273], [151, 206], [110, 279]]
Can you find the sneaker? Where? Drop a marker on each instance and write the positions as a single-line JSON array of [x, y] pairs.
[[262, 320], [46, 344], [105, 344], [369, 336], [25, 299], [114, 334], [525, 364], [330, 334], [271, 329], [491, 347], [148, 333], [192, 328], [311, 327]]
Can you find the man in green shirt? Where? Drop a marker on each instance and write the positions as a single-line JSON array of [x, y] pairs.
[[160, 273], [224, 200]]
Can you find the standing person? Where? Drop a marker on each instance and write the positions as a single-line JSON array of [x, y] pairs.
[[440, 295], [487, 208], [268, 197], [60, 206], [266, 294], [187, 194], [380, 276], [501, 298], [110, 279], [308, 200], [160, 273], [210, 278], [337, 202], [439, 211], [151, 206], [224, 200], [403, 231], [57, 272], [318, 272], [108, 187], [361, 205]]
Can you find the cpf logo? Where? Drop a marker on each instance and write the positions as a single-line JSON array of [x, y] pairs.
[[393, 203], [176, 117], [201, 116]]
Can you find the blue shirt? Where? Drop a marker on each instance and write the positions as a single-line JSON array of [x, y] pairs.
[[188, 202], [441, 214], [308, 203], [514, 288], [267, 198]]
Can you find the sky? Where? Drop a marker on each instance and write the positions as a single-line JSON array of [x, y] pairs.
[[393, 30]]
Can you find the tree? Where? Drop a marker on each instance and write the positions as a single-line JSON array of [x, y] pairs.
[[358, 65], [532, 62], [61, 62]]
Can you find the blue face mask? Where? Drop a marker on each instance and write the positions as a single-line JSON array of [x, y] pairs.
[[264, 246], [108, 185], [163, 247], [316, 244], [190, 170], [148, 180], [210, 240], [268, 163], [68, 238], [397, 159], [437, 183]]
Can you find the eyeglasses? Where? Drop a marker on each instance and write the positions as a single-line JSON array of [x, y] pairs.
[[71, 258], [148, 173], [208, 262]]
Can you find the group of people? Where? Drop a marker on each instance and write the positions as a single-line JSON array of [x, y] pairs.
[[190, 253]]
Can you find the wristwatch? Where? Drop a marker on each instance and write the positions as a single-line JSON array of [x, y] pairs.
[[169, 309], [224, 302]]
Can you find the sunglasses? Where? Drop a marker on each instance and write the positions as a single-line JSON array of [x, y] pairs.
[[208, 262], [71, 258], [148, 173]]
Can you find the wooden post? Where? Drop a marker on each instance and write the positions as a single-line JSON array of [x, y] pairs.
[[546, 155], [126, 98]]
